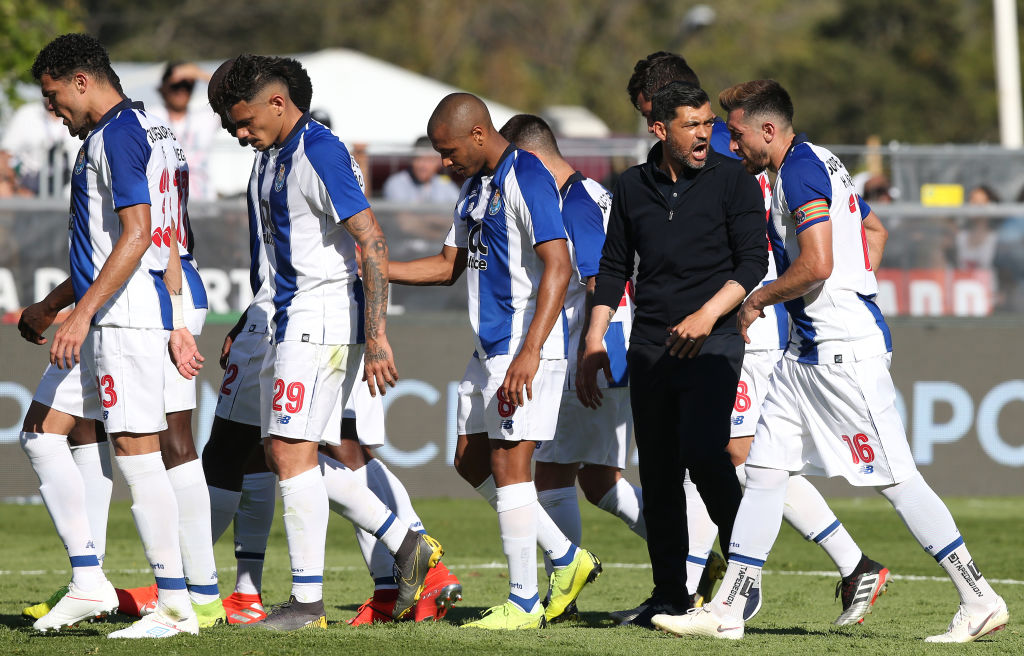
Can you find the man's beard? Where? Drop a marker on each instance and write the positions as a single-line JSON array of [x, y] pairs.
[[683, 157]]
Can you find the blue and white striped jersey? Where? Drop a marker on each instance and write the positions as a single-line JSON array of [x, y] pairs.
[[841, 316], [129, 158], [307, 188], [585, 209], [500, 218]]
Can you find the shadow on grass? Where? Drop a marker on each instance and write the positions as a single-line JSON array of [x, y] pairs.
[[790, 631]]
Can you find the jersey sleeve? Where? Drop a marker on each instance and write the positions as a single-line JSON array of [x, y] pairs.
[[804, 182], [534, 199], [865, 209], [338, 193], [584, 222], [126, 152]]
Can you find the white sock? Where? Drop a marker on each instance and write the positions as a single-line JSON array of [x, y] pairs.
[[563, 507], [155, 510], [740, 588], [932, 525], [60, 485], [253, 520], [626, 502], [194, 531], [489, 491], [807, 511], [517, 519], [223, 506], [741, 475], [379, 561], [93, 461], [392, 492], [305, 525], [354, 501], [701, 532]]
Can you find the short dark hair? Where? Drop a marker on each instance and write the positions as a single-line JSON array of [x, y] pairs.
[[530, 132], [250, 74], [760, 98], [655, 71], [71, 53], [673, 95]]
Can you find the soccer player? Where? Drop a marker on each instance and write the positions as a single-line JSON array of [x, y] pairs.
[[126, 283], [863, 579], [589, 445], [507, 230], [830, 403], [313, 214]]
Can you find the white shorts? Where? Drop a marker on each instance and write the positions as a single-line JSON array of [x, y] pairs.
[[129, 366], [591, 437], [71, 391], [834, 420], [179, 393], [482, 410], [301, 386], [368, 411], [751, 390], [239, 398]]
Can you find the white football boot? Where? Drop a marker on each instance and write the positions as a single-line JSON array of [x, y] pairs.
[[158, 625], [77, 605], [967, 627], [700, 622]]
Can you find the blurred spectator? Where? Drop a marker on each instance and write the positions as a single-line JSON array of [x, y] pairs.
[[877, 190], [40, 152], [975, 240], [194, 127], [423, 181], [1009, 262]]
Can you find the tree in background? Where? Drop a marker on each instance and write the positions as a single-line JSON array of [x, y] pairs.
[[25, 27]]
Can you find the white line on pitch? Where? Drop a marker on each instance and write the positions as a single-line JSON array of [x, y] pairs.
[[499, 565]]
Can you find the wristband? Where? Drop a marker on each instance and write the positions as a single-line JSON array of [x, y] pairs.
[[177, 311]]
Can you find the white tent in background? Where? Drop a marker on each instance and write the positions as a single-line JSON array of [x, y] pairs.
[[369, 101]]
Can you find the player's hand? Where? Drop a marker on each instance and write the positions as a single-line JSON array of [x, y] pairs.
[[184, 353], [34, 321], [520, 374], [686, 337], [379, 369], [225, 350], [66, 349], [748, 313], [587, 364]]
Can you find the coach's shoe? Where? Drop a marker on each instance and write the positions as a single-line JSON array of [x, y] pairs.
[[210, 614], [158, 625], [508, 617], [293, 615], [413, 560], [242, 608], [137, 602], [378, 608], [441, 590], [968, 627], [567, 583], [699, 622], [77, 605], [652, 607], [623, 617], [36, 611], [714, 571], [860, 590]]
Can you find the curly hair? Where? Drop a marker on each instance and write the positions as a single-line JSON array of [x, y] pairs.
[[250, 74], [73, 53], [655, 71]]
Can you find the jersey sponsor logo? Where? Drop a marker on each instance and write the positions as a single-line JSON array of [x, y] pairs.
[[477, 248], [506, 424], [80, 162], [279, 179], [495, 204], [867, 469], [736, 421]]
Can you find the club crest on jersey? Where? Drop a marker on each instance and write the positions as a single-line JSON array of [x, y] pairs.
[[495, 204], [80, 162], [279, 178]]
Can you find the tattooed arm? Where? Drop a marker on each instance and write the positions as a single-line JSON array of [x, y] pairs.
[[379, 361]]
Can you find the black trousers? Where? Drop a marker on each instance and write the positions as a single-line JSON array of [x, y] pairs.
[[681, 420]]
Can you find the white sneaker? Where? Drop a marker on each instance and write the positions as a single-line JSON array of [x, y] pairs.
[[967, 627], [700, 621], [158, 625], [77, 605]]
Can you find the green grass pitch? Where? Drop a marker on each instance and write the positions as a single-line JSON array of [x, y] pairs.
[[796, 619]]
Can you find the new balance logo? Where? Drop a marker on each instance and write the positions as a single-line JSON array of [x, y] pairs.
[[506, 424]]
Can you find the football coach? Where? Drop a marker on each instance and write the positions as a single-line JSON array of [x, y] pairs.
[[691, 222]]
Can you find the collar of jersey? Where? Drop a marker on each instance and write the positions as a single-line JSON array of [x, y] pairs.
[[303, 120], [126, 103], [797, 140], [573, 179]]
